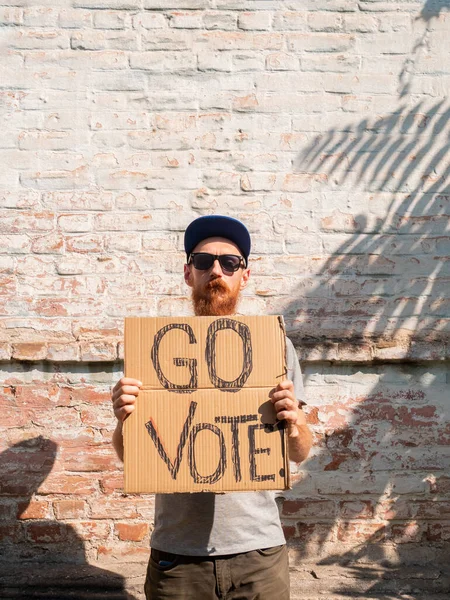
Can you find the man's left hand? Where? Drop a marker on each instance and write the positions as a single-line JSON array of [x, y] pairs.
[[286, 406]]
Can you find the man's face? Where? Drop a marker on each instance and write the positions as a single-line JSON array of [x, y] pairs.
[[215, 293]]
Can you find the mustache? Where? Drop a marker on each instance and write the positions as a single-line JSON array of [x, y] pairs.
[[216, 284], [215, 298]]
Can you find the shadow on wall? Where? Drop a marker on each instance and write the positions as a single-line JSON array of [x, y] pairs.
[[389, 268], [39, 556], [374, 500], [382, 457], [431, 11]]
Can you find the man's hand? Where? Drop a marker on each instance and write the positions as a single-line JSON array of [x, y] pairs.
[[286, 405], [287, 409], [123, 397]]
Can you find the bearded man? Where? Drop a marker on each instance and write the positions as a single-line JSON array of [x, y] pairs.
[[206, 546]]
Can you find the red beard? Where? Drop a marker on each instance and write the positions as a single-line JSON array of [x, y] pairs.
[[216, 299]]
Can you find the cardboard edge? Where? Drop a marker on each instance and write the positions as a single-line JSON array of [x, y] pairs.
[[287, 467], [128, 326]]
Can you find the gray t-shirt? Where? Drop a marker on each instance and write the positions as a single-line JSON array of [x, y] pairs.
[[208, 524]]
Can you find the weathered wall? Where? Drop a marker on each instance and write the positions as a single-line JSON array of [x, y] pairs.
[[324, 125], [368, 512]]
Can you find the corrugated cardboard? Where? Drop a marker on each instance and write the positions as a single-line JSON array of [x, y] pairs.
[[203, 419]]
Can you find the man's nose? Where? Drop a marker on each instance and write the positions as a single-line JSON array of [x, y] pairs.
[[216, 269]]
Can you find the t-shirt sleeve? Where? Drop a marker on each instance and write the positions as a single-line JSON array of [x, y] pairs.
[[294, 372]]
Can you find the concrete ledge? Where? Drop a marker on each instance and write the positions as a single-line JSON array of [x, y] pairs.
[[111, 350]]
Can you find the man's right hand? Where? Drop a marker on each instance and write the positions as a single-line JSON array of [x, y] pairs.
[[123, 397]]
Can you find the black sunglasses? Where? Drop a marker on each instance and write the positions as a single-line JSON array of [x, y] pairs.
[[204, 261]]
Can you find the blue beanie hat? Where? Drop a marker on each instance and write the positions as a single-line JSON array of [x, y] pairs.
[[217, 226]]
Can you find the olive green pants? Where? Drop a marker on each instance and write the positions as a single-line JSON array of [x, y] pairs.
[[255, 575]]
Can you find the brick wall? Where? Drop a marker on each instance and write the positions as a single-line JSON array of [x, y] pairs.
[[324, 126]]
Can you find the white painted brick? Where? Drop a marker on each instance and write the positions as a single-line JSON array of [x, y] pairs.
[[384, 43], [319, 42], [222, 20], [57, 180], [282, 61], [307, 121], [361, 23], [288, 21], [255, 20], [73, 18], [215, 61], [170, 39], [333, 63], [40, 16], [175, 4], [324, 21], [11, 15], [163, 61], [74, 223], [52, 140], [104, 40], [119, 120], [185, 20], [37, 38], [246, 61], [111, 19], [224, 40], [149, 20], [108, 4]]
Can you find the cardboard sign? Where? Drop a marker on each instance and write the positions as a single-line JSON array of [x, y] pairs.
[[203, 419]]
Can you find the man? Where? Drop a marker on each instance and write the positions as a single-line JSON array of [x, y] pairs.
[[207, 546]]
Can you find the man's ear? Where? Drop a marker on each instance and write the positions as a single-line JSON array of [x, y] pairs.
[[244, 279], [188, 275]]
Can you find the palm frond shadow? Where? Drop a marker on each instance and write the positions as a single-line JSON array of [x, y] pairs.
[[387, 281]]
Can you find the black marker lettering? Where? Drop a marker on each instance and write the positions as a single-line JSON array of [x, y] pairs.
[[218, 473], [210, 353], [235, 455], [175, 466], [179, 362], [253, 451]]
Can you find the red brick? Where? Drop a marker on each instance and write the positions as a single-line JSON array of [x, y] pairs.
[[12, 415], [361, 532], [99, 417], [440, 484], [8, 510], [289, 531], [91, 530], [319, 509], [123, 552], [63, 352], [29, 351], [98, 351], [132, 532], [307, 532], [11, 532], [438, 532], [90, 459], [425, 510], [69, 509], [47, 532], [395, 509], [85, 395], [59, 483], [36, 509], [402, 533], [357, 509], [111, 508], [113, 482]]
